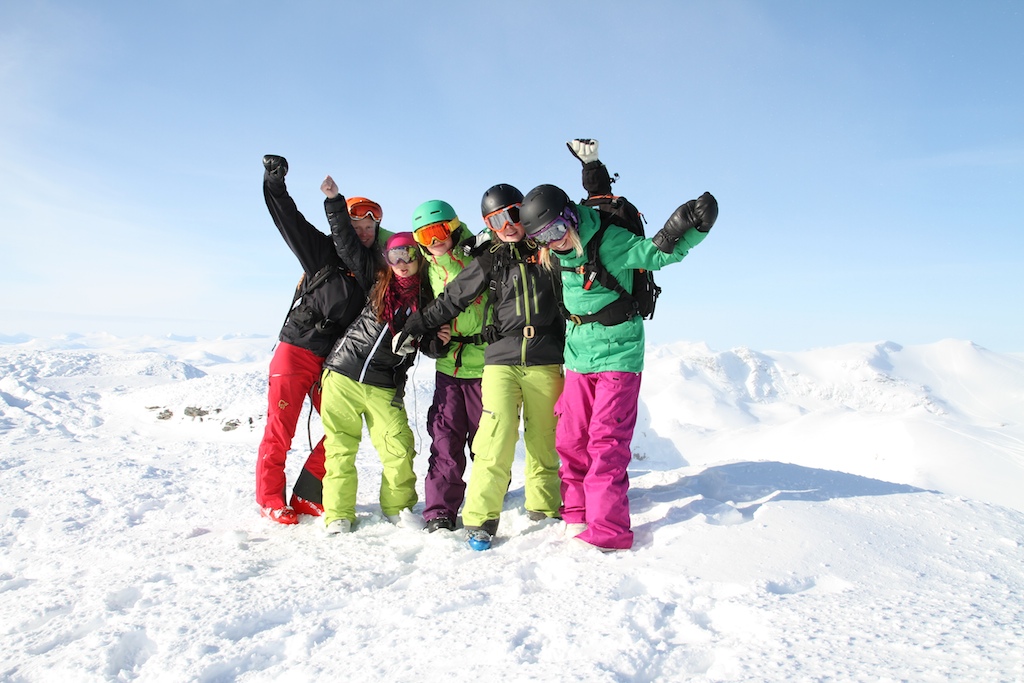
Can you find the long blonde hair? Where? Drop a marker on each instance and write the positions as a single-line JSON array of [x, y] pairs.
[[548, 260]]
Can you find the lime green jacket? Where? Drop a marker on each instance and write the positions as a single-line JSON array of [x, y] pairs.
[[465, 357], [593, 347]]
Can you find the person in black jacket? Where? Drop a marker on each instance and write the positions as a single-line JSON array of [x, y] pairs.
[[327, 299], [364, 376], [522, 366]]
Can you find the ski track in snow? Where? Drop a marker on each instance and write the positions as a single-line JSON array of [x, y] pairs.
[[132, 548]]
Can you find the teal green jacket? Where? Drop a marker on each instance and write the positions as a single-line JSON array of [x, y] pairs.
[[593, 347], [464, 359]]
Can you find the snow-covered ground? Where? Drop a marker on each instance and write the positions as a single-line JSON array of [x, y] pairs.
[[846, 514]]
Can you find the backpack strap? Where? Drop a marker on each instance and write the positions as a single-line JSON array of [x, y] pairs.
[[301, 313], [468, 339], [618, 311], [490, 331]]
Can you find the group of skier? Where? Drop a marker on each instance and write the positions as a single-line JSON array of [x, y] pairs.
[[536, 319]]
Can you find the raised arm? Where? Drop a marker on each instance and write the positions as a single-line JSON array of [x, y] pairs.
[[596, 180], [311, 247], [362, 261]]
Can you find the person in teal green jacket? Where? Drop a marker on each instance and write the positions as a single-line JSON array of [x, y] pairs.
[[604, 357], [454, 415]]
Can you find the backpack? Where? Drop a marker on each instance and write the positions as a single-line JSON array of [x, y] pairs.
[[615, 210], [301, 313]]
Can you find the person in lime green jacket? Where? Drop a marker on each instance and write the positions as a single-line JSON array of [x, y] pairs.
[[454, 415], [604, 356], [522, 375]]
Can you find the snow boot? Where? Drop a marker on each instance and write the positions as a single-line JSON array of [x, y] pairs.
[[338, 526], [283, 515], [440, 523], [479, 539], [306, 507], [573, 530]]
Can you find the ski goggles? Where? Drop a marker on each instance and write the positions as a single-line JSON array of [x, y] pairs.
[[402, 254], [502, 218], [555, 229], [435, 232], [362, 208]]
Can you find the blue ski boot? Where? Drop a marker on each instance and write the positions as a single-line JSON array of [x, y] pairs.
[[479, 539]]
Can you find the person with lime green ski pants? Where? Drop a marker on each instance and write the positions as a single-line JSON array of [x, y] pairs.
[[351, 402], [522, 376], [509, 390]]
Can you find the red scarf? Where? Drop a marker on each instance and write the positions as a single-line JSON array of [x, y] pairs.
[[402, 294]]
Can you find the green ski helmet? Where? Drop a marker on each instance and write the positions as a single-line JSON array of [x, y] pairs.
[[433, 211]]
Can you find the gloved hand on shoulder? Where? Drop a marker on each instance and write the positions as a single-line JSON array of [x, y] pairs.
[[583, 149], [700, 213], [476, 245], [276, 167]]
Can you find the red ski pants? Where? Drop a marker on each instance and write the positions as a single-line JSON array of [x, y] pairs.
[[294, 374]]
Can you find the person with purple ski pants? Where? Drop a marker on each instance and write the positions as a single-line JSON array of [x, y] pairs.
[[454, 416]]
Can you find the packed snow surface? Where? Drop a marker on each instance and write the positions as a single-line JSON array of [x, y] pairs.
[[850, 514]]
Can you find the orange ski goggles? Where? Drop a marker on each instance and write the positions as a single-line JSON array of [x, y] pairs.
[[361, 207], [435, 232]]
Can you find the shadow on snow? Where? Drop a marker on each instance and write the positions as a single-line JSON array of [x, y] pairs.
[[732, 493]]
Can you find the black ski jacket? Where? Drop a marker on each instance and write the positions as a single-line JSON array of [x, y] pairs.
[[525, 326], [363, 352], [328, 298]]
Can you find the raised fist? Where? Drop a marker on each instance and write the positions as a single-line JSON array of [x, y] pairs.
[[277, 167], [329, 187]]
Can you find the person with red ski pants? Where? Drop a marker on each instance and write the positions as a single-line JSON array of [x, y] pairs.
[[326, 301]]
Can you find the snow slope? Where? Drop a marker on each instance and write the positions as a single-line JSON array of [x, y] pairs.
[[852, 513]]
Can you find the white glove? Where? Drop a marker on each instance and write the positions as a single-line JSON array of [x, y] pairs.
[[583, 149], [474, 246], [402, 344]]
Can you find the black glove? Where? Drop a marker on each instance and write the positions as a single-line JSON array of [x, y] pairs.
[[414, 325], [700, 213], [277, 167], [432, 347]]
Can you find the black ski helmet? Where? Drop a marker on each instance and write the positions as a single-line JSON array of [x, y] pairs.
[[542, 205], [498, 197]]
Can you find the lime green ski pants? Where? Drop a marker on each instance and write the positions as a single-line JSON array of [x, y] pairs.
[[507, 391], [344, 405]]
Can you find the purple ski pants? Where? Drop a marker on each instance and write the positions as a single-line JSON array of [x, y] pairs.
[[596, 417], [452, 422]]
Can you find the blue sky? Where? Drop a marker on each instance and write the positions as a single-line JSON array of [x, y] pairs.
[[868, 157]]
